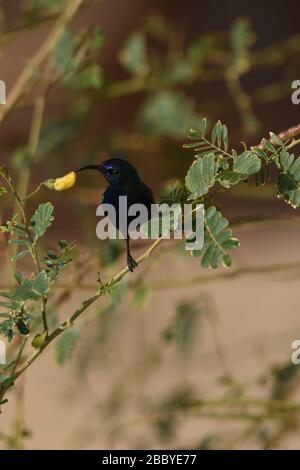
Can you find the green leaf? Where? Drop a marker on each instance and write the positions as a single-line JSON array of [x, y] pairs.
[[6, 328], [21, 158], [209, 442], [3, 190], [167, 113], [164, 223], [5, 294], [287, 189], [260, 152], [177, 71], [57, 262], [288, 183], [97, 40], [35, 9], [24, 292], [20, 231], [201, 47], [109, 289], [283, 379], [16, 241], [294, 169], [18, 277], [267, 145], [63, 52], [229, 178], [225, 137], [63, 244], [42, 219], [201, 175], [32, 289], [51, 254], [173, 193], [286, 159], [197, 134], [111, 253], [141, 294], [275, 139], [20, 255], [219, 139], [134, 55], [55, 135], [7, 382], [217, 240], [247, 163], [90, 77], [202, 127], [40, 284], [223, 163], [216, 135], [183, 327], [66, 345], [6, 305], [240, 39]]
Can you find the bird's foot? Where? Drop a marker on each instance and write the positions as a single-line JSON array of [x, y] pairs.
[[131, 263]]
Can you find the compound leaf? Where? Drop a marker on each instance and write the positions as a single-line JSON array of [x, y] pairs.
[[201, 176], [217, 240], [42, 219]]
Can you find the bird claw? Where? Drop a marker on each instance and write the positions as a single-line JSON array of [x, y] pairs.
[[131, 263]]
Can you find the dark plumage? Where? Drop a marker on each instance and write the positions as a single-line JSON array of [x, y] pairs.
[[123, 180]]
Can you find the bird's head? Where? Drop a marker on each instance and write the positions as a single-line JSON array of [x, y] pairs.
[[116, 171]]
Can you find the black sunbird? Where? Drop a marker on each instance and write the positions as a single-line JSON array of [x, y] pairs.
[[123, 180]]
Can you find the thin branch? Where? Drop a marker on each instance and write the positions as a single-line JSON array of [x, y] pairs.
[[42, 53], [225, 276], [290, 133], [236, 409], [69, 322], [285, 135]]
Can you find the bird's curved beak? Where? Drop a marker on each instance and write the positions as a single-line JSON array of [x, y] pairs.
[[91, 167]]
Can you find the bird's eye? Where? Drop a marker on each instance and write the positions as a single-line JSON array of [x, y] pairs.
[[113, 172]]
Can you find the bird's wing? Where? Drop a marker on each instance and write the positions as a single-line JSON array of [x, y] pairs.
[[146, 194]]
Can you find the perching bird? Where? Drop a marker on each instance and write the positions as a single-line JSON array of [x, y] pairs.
[[123, 180]]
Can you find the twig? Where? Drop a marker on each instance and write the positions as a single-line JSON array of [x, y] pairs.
[[69, 322], [40, 56], [19, 356], [290, 133], [242, 100], [224, 276], [268, 409]]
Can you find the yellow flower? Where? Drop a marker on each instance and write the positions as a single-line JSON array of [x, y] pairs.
[[65, 182]]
